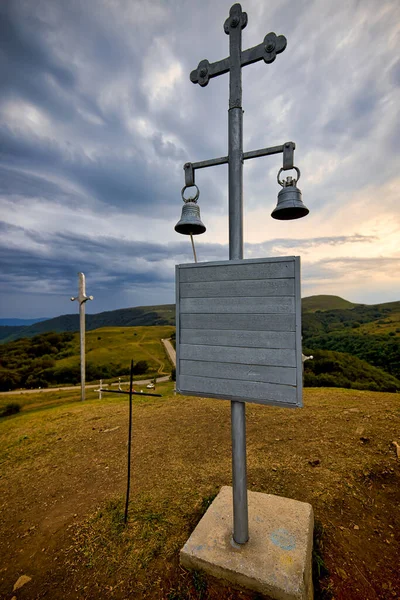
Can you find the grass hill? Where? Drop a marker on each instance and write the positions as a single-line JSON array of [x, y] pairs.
[[54, 358], [323, 302], [125, 317]]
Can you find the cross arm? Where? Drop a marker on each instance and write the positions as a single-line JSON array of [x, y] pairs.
[[271, 46], [268, 49], [206, 71]]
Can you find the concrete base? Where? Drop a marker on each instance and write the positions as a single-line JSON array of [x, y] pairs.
[[276, 561]]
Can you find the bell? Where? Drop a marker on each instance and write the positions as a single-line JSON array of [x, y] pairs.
[[290, 205], [190, 223]]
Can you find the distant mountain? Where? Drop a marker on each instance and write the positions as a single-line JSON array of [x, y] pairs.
[[124, 317], [20, 322], [322, 302], [321, 315]]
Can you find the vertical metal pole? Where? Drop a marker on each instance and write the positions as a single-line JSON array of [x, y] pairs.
[[82, 298], [238, 409], [82, 336]]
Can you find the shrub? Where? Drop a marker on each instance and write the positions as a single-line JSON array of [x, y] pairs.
[[36, 380], [9, 380], [141, 367], [10, 409]]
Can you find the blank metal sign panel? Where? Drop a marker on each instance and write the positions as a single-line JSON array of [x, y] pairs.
[[238, 330]]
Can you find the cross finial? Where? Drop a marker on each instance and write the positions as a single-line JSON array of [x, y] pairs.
[[268, 49], [236, 17]]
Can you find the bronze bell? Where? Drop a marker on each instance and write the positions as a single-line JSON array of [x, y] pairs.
[[190, 222], [290, 205]]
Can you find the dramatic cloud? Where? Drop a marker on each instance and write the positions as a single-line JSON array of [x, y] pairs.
[[98, 116]]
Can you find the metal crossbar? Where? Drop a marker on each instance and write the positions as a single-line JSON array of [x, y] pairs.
[[133, 393]]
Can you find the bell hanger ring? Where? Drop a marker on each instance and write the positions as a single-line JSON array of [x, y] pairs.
[[293, 181], [195, 197]]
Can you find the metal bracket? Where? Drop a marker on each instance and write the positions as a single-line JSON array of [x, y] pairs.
[[288, 160], [189, 174], [288, 155]]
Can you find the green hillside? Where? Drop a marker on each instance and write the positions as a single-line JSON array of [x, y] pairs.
[[371, 333], [54, 358], [323, 302], [125, 317], [338, 369]]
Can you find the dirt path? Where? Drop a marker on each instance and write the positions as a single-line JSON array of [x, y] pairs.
[[170, 350]]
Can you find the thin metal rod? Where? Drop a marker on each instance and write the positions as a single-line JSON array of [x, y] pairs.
[[194, 249], [238, 409], [128, 483]]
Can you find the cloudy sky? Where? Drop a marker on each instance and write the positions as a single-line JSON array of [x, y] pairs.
[[98, 116]]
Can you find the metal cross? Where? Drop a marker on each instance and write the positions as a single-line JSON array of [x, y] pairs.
[[267, 51]]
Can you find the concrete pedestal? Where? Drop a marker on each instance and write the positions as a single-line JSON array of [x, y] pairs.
[[276, 561]]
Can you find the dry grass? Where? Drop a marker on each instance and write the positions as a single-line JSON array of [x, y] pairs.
[[64, 474]]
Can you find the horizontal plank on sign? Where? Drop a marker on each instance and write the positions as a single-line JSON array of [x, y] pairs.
[[243, 288], [219, 370], [273, 305], [240, 389], [246, 339], [238, 322], [243, 356], [235, 272]]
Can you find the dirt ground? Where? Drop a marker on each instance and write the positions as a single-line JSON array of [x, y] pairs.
[[63, 477]]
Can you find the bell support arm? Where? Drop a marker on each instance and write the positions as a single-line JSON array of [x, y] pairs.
[[288, 160]]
